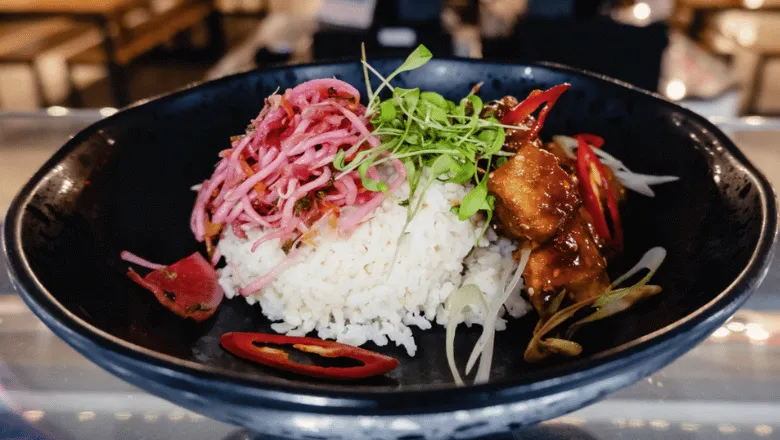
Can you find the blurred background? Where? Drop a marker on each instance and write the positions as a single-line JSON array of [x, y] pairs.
[[720, 57], [67, 63]]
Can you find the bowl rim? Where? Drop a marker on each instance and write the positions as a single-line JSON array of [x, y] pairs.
[[283, 395]]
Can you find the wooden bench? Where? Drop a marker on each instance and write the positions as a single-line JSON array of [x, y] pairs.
[[154, 32], [25, 42], [135, 41], [719, 43]]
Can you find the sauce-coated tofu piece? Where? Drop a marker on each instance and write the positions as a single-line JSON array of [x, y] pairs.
[[535, 197]]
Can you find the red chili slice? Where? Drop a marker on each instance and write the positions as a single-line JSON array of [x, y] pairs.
[[245, 345], [592, 181], [188, 288], [592, 139], [534, 100], [330, 92]]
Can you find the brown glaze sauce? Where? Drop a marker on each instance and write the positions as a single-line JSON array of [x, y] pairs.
[[538, 201]]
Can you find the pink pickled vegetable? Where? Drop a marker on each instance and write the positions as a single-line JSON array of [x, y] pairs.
[[279, 177], [188, 288]]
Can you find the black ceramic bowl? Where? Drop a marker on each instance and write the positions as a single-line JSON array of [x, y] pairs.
[[124, 183]]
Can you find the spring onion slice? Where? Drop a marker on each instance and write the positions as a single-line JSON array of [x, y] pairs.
[[621, 301], [460, 299], [483, 371], [539, 346], [651, 261], [489, 325], [611, 302]]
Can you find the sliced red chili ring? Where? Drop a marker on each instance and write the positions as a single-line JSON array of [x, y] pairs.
[[534, 100], [593, 140], [250, 346], [593, 180]]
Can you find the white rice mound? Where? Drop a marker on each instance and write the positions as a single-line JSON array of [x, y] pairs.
[[341, 289]]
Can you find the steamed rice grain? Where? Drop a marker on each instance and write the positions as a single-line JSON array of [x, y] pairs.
[[343, 289]]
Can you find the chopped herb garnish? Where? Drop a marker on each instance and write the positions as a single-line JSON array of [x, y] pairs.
[[199, 307], [287, 245], [302, 205], [426, 131], [168, 273]]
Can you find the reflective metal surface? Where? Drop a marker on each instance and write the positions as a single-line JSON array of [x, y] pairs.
[[726, 388]]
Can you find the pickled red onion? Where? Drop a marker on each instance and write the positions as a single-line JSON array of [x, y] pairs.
[[279, 176]]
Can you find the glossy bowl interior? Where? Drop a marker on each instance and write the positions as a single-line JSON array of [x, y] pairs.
[[124, 182]]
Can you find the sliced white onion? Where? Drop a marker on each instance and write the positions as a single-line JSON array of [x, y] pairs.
[[648, 179], [640, 187], [610, 160], [631, 180], [641, 182], [569, 144]]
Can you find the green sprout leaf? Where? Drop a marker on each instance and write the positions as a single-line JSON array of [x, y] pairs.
[[387, 111], [425, 130], [369, 183], [473, 202], [416, 59], [434, 99]]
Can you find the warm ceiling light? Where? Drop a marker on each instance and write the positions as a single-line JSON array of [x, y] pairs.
[[33, 415], [736, 326], [123, 415], [107, 111], [642, 11], [757, 334], [676, 90], [753, 4], [57, 110], [721, 332], [659, 424], [747, 34], [86, 415]]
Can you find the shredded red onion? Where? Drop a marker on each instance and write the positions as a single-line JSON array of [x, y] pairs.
[[279, 177], [217, 255], [349, 224], [135, 259]]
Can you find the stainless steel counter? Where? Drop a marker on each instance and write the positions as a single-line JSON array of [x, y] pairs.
[[726, 388]]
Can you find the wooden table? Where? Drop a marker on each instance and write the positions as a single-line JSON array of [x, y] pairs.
[[729, 4], [67, 7], [702, 10], [105, 14]]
